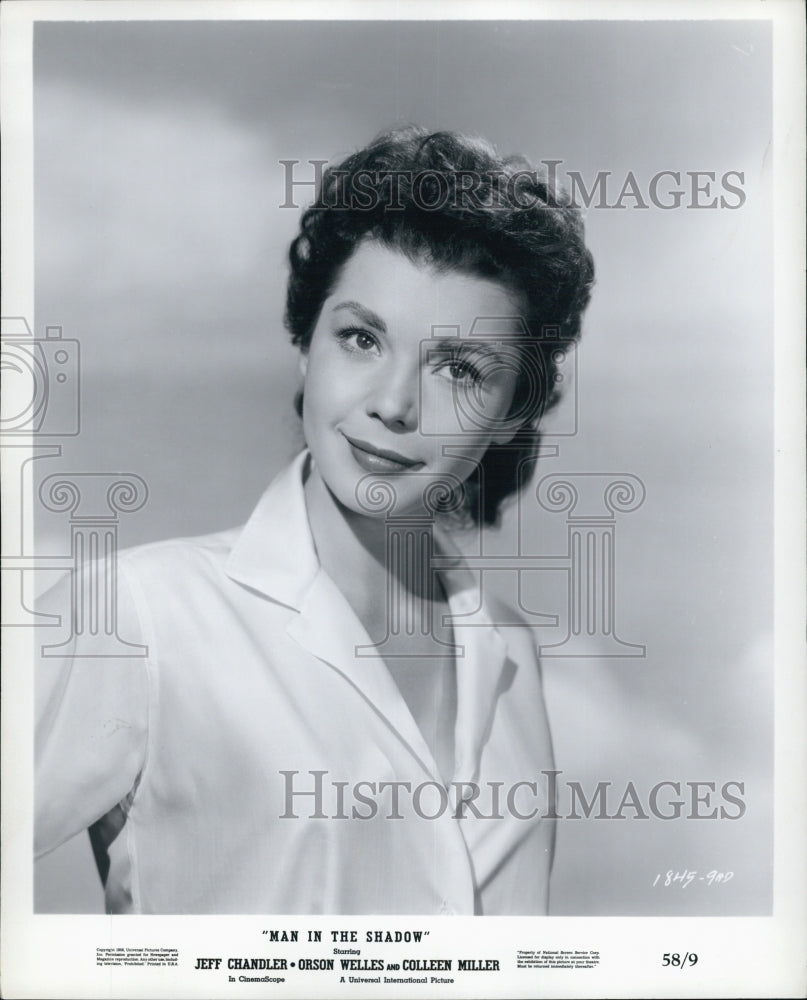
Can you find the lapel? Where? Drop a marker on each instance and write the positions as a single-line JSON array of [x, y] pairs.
[[480, 665], [275, 556], [328, 628]]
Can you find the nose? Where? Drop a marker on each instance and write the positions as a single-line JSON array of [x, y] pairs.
[[393, 401]]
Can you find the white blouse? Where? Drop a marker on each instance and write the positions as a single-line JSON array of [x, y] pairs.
[[251, 686]]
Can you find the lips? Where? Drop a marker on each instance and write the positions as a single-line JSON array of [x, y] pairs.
[[373, 459]]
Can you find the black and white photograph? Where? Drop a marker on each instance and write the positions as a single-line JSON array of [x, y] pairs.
[[402, 428]]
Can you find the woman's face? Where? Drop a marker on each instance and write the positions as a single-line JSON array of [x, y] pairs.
[[404, 362]]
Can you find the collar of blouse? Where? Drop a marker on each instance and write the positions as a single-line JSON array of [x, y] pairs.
[[275, 556]]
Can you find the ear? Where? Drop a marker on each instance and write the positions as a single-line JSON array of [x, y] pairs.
[[303, 363]]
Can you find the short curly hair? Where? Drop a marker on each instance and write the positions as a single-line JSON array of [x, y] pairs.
[[452, 202]]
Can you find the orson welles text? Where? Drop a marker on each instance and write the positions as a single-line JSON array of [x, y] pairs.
[[315, 795]]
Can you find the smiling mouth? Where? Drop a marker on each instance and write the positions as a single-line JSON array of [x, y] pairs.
[[373, 459]]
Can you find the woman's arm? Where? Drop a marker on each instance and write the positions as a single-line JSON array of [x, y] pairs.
[[91, 722]]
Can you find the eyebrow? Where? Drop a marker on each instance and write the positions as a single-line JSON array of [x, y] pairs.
[[456, 345], [365, 315], [460, 347]]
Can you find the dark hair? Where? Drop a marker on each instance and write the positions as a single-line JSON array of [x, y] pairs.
[[452, 202]]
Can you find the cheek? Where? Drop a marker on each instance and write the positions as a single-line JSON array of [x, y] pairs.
[[328, 389], [440, 408], [471, 414]]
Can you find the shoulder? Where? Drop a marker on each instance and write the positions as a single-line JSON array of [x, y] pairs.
[[169, 580], [172, 556]]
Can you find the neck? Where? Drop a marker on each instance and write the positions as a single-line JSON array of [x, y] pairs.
[[352, 549]]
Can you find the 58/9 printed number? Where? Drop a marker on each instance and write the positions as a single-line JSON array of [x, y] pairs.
[[678, 961]]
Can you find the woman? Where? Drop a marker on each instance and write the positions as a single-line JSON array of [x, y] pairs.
[[331, 717]]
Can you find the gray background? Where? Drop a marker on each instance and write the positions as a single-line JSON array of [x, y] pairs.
[[161, 246]]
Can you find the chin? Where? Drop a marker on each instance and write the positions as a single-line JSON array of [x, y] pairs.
[[378, 496]]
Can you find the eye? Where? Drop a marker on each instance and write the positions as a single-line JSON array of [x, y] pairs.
[[459, 371], [357, 340]]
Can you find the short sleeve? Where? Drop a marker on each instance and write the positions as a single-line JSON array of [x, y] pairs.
[[91, 719]]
